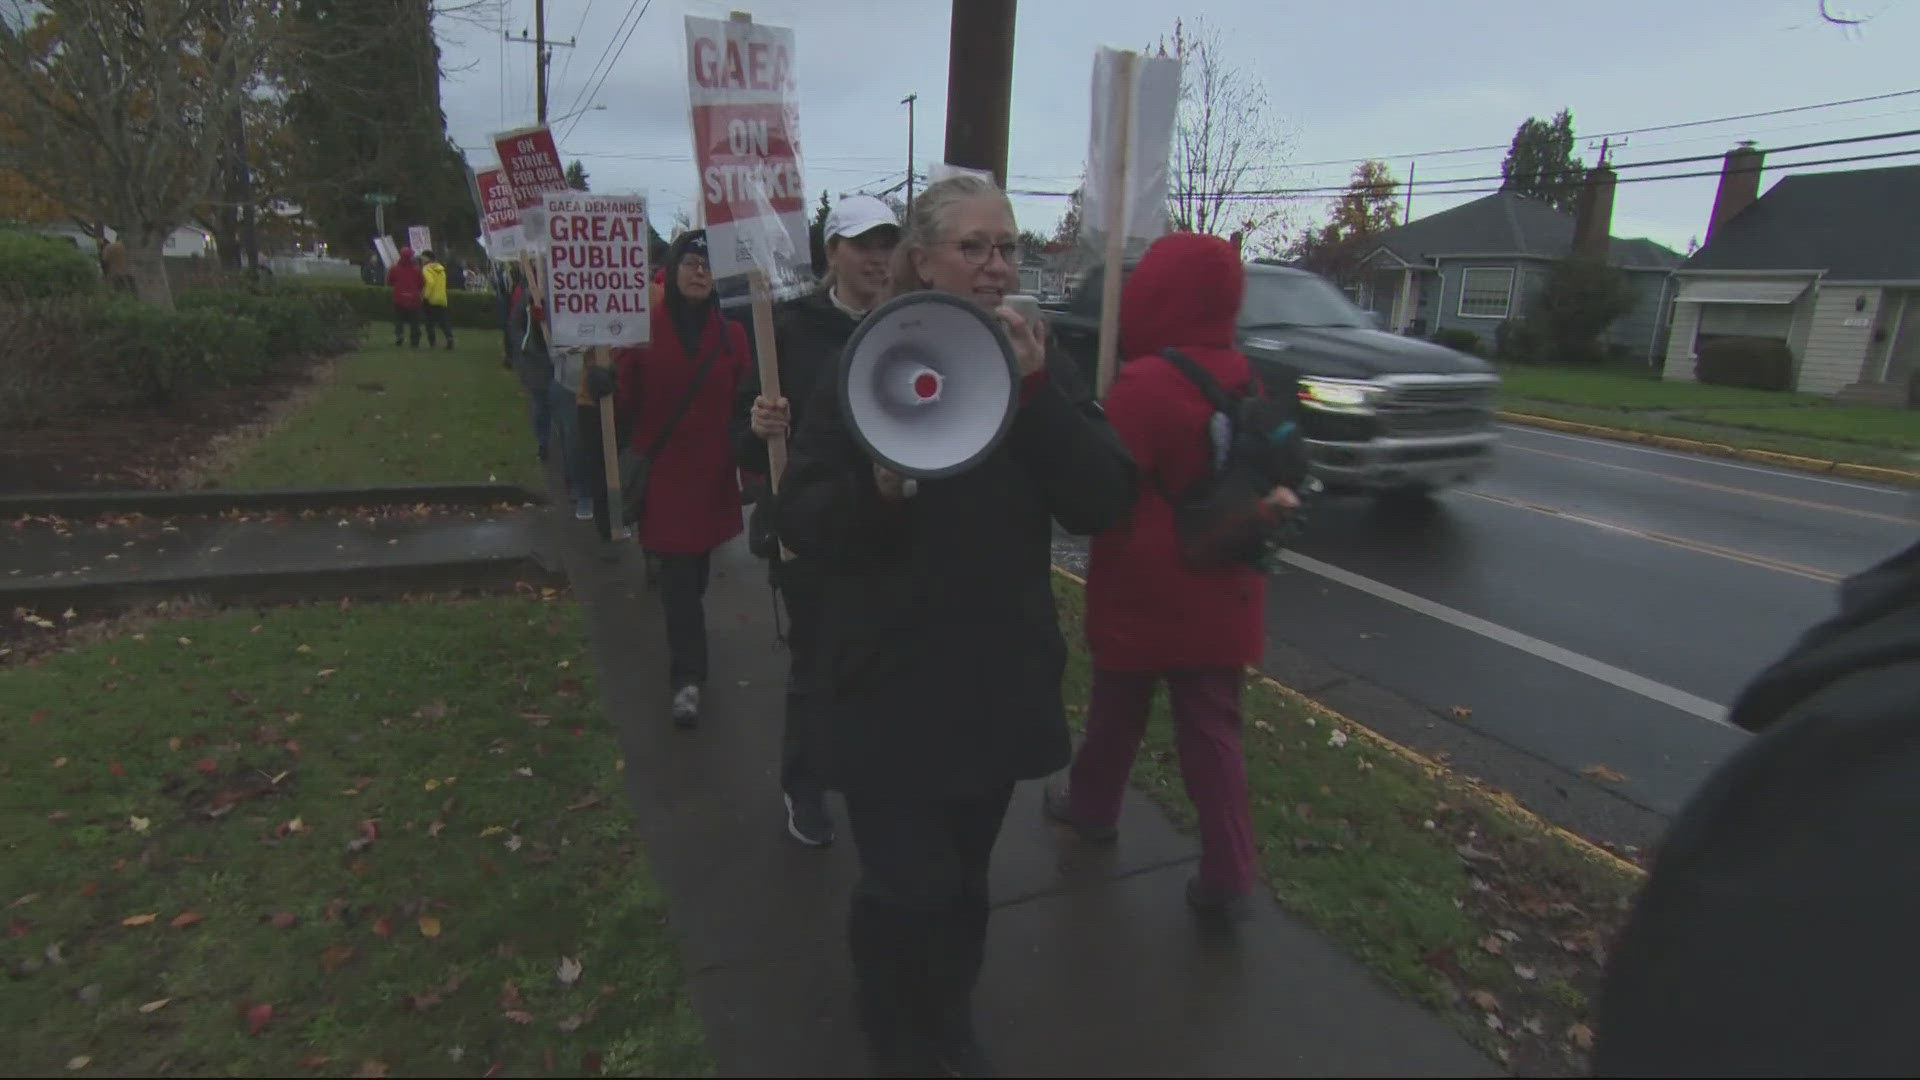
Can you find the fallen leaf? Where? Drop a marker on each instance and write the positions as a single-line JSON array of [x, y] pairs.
[[510, 995], [53, 954], [24, 900], [59, 763], [1337, 739], [116, 768], [492, 830], [584, 802], [432, 784], [155, 1006], [1534, 1026], [314, 1061], [1493, 945], [1474, 854], [422, 1002], [512, 843], [1581, 1036], [173, 744], [257, 1018], [1484, 999], [523, 771], [1602, 773], [571, 1024], [283, 920], [139, 920], [569, 971], [372, 1070], [429, 926], [303, 649], [184, 640], [518, 1016], [1525, 972], [90, 888], [434, 828], [207, 765], [334, 957], [324, 672], [1461, 712], [77, 1063], [383, 927], [185, 919]]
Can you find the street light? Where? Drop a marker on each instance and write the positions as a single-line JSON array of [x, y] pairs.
[[577, 112]]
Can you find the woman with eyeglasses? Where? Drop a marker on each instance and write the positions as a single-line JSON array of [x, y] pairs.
[[938, 639], [676, 393]]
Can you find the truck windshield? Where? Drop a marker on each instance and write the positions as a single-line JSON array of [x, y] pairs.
[[1297, 300]]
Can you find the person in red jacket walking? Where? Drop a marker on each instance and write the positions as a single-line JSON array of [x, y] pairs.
[[409, 286], [679, 418], [1150, 617]]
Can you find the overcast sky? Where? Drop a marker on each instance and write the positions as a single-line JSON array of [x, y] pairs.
[[1388, 79]]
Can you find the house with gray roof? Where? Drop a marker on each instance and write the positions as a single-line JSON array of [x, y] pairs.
[[1478, 264], [1827, 262]]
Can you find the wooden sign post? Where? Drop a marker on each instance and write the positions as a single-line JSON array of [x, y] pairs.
[[769, 362], [609, 437], [1116, 225]]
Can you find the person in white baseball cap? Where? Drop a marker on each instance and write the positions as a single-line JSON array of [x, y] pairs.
[[809, 336]]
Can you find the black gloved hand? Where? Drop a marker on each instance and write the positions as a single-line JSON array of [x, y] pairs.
[[601, 382]]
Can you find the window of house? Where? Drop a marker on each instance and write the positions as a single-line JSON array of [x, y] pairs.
[[1486, 292]]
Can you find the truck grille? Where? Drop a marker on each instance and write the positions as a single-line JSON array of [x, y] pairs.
[[1433, 410]]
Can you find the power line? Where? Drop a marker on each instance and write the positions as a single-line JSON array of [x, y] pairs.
[[567, 64], [604, 51], [1243, 196], [637, 19]]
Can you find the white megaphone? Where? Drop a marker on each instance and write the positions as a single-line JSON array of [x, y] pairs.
[[928, 384]]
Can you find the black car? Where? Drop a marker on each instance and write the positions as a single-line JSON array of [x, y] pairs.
[[1382, 412]]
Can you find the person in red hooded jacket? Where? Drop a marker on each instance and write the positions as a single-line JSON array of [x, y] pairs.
[[1151, 617], [692, 501], [409, 286]]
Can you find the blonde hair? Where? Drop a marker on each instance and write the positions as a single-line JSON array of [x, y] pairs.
[[928, 220]]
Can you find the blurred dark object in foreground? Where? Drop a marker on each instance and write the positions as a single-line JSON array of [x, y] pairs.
[[1779, 933]]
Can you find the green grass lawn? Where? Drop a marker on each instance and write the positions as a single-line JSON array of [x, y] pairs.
[[393, 416], [1806, 425], [328, 840], [1469, 908]]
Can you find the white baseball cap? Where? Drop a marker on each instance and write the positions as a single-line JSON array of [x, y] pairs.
[[857, 215]]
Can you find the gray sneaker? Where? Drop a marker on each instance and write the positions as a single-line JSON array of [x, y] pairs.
[[808, 821], [583, 508], [686, 706]]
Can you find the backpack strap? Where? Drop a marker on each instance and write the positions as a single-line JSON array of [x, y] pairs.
[[1200, 378]]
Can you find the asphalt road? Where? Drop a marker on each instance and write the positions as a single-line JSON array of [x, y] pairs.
[[1588, 604]]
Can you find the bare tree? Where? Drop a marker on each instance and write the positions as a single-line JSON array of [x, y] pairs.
[[1227, 143], [118, 111]]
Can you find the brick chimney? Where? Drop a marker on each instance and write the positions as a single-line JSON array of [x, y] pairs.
[[1593, 219], [1739, 185]]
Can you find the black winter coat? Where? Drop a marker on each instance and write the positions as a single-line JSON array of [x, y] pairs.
[[1778, 930], [938, 632]]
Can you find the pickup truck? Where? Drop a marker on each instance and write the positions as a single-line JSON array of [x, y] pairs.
[[1383, 413]]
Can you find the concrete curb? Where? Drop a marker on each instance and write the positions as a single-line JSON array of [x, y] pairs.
[[1847, 469], [1502, 801], [218, 500], [380, 580]]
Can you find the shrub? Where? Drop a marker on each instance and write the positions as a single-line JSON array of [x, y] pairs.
[[1581, 299], [1754, 363], [1519, 341], [1465, 341], [71, 354], [36, 267], [469, 309], [295, 322]]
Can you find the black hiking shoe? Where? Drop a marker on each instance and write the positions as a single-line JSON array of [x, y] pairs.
[[1059, 807], [1217, 905], [808, 821]]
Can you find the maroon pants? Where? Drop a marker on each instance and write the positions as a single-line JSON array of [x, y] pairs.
[[1206, 719]]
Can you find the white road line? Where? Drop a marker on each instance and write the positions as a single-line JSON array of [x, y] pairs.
[[1573, 661], [1705, 460]]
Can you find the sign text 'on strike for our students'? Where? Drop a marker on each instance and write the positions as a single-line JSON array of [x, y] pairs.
[[596, 268]]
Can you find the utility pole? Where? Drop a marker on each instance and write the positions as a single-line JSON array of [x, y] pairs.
[[908, 102], [1406, 212], [980, 85], [380, 203], [542, 55]]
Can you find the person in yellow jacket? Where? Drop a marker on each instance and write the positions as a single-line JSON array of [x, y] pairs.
[[434, 293]]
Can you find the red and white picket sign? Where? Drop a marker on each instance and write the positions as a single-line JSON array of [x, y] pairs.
[[531, 163], [746, 146], [499, 215]]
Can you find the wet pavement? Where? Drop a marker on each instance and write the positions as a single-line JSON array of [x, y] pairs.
[[1095, 966]]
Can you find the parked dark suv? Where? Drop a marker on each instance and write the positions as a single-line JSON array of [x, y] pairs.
[[1383, 413]]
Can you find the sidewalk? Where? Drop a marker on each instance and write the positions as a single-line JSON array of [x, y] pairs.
[[1095, 967]]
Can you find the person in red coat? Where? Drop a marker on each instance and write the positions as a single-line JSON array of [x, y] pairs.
[[1150, 617], [408, 285], [692, 501]]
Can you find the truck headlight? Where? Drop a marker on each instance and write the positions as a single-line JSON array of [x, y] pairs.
[[1338, 395]]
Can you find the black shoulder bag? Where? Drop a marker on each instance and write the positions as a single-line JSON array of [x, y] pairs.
[[1254, 444], [636, 468]]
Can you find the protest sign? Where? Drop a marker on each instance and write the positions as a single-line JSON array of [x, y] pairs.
[[746, 146], [499, 217], [532, 166], [596, 268], [389, 254], [419, 239]]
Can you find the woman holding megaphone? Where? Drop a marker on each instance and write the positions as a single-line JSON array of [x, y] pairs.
[[938, 635]]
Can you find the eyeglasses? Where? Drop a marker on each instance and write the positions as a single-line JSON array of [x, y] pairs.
[[977, 252], [695, 263]]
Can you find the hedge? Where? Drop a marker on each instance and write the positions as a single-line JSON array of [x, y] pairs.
[[37, 267], [70, 354], [1465, 341], [468, 309]]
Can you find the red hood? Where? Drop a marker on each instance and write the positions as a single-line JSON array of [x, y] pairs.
[[1184, 294], [406, 256]]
